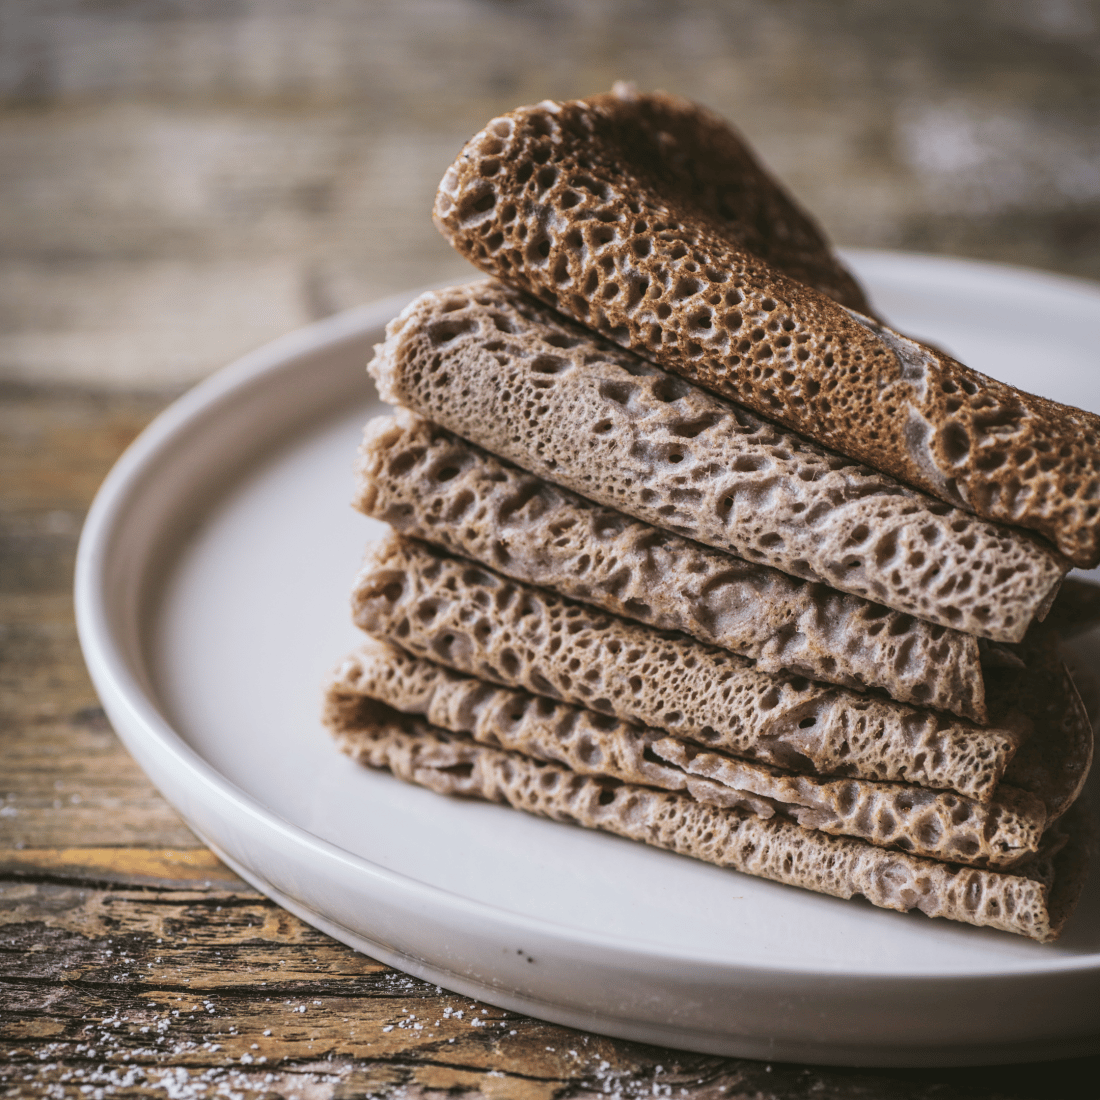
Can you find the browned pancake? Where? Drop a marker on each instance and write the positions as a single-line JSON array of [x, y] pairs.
[[643, 218]]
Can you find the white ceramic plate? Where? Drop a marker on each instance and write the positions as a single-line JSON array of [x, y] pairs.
[[212, 599]]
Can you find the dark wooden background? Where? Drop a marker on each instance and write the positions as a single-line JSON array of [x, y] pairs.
[[180, 181], [183, 180]]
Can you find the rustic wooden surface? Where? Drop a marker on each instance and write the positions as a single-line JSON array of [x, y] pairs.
[[183, 181], [132, 963]]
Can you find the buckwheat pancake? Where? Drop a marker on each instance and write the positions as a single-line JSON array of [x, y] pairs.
[[1034, 899], [638, 217], [936, 824], [508, 374], [431, 484], [470, 618]]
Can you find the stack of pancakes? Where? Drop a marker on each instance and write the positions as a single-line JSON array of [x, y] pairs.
[[621, 600]]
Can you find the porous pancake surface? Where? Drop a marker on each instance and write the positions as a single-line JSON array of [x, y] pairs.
[[936, 824], [428, 483], [600, 208], [540, 727], [469, 618], [507, 373], [1033, 900]]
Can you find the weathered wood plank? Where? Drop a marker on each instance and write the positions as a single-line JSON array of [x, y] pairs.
[[65, 779], [205, 987], [165, 867], [184, 181]]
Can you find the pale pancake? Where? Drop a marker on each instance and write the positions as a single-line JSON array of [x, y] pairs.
[[428, 483], [936, 824], [508, 374], [470, 618], [1033, 900]]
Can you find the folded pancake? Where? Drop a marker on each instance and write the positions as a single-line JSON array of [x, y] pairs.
[[508, 374], [701, 158], [929, 823], [622, 212], [1034, 899], [471, 619], [430, 484]]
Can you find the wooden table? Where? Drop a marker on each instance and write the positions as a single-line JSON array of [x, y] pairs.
[[132, 963]]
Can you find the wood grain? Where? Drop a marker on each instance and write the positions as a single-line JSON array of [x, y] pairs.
[[184, 181], [133, 964]]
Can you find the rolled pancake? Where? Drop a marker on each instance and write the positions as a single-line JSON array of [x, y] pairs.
[[936, 824], [470, 618], [1034, 900], [508, 374], [602, 208], [430, 484]]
